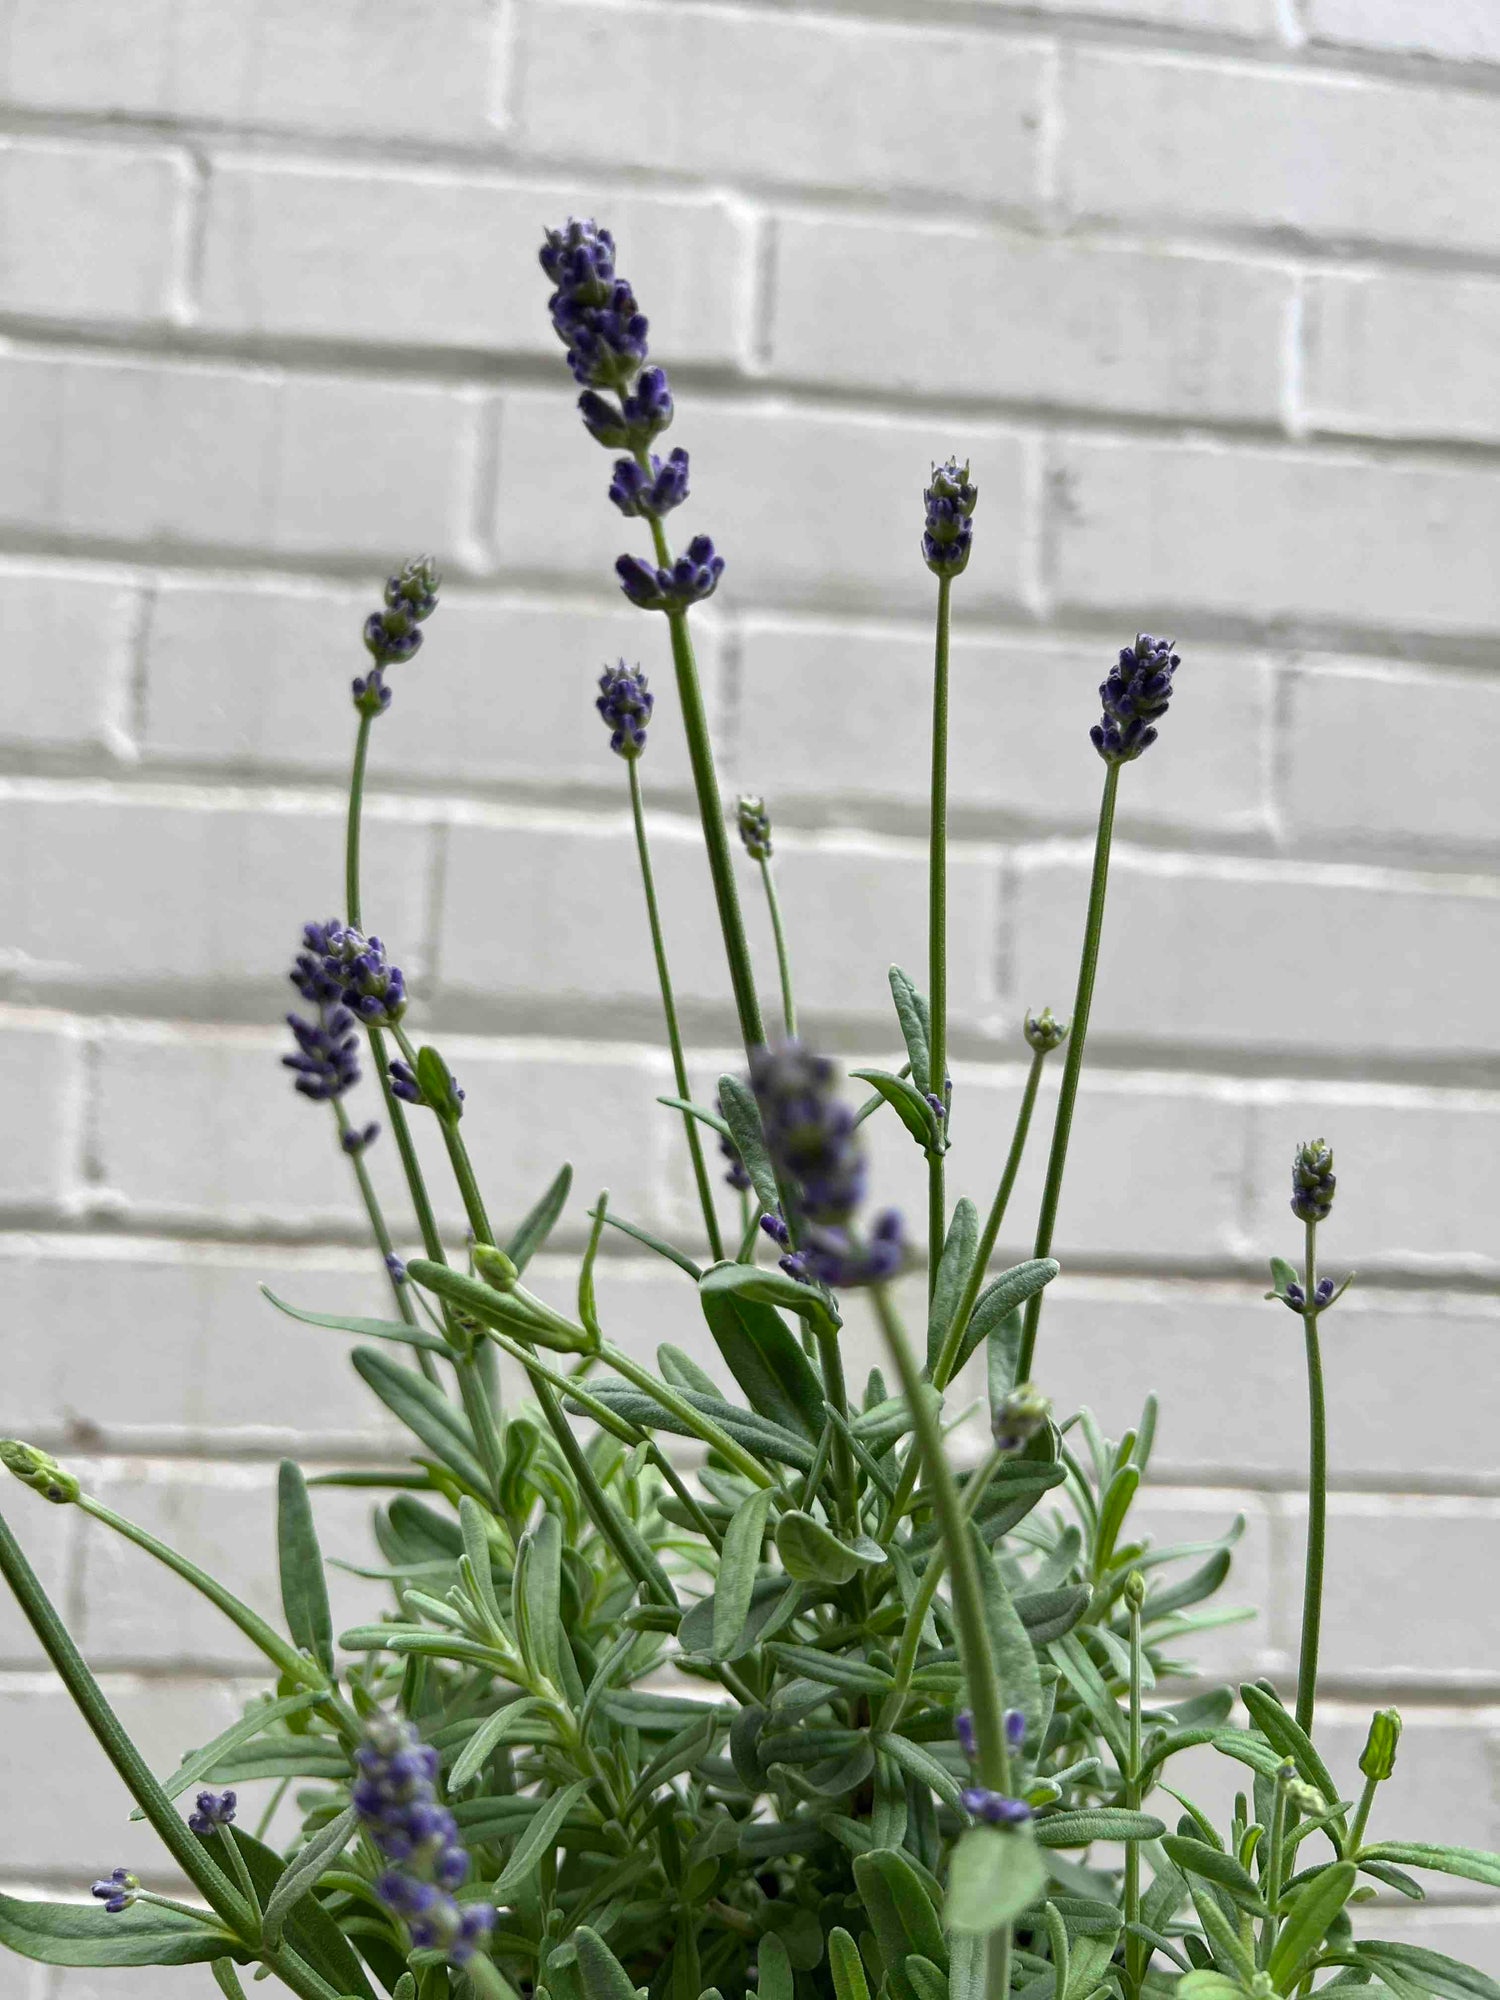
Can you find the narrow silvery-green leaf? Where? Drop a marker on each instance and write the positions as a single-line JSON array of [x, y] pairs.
[[773, 1288], [425, 1411], [899, 1906], [472, 1519], [304, 1588], [539, 1838], [543, 1593], [1475, 1864], [812, 1553], [846, 1967], [1083, 1676], [995, 1873], [1194, 1858], [911, 1012], [1303, 1931], [762, 1354], [928, 1982], [538, 1225], [662, 1248], [1078, 1829], [1206, 1984], [742, 1115], [86, 1934], [1015, 1659], [372, 1329], [924, 1767], [249, 1726], [908, 1103], [600, 1973], [1047, 1614], [683, 1372], [1433, 1971], [1283, 1730], [704, 1116], [739, 1561], [509, 1311], [505, 1725], [304, 1870], [954, 1267], [1011, 1289], [1112, 1511]]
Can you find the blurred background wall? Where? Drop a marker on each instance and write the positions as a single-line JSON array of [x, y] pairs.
[[1206, 289]]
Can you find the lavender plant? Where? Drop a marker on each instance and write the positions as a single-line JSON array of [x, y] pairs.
[[812, 1708]]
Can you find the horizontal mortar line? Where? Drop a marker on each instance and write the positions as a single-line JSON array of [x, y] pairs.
[[848, 812], [258, 1235], [1285, 633], [476, 370]]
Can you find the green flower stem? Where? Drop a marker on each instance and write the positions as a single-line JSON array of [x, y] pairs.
[[947, 1360], [1317, 1497], [783, 959], [669, 1010], [1062, 1124], [710, 806], [373, 1210], [968, 1602], [1275, 1868], [242, 1876], [937, 929], [352, 825], [1135, 1947], [190, 1855], [1361, 1818]]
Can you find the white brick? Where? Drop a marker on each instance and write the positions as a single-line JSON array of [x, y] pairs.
[[1011, 753], [1413, 760], [87, 232], [523, 678], [1416, 1169], [864, 902], [42, 1091], [46, 1535], [145, 451], [825, 103], [73, 629], [1402, 355], [1339, 157], [155, 890], [1204, 955], [1203, 528], [134, 1611], [1227, 1652], [421, 68], [1460, 30], [307, 249], [806, 506], [1105, 1343], [1101, 328], [211, 1359], [1403, 1599], [77, 1824], [1257, 18], [202, 1123]]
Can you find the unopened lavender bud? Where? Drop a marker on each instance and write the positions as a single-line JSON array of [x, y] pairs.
[[963, 1730], [396, 1268], [1135, 1590], [1019, 1416], [117, 1891], [215, 1811], [1044, 1032], [1313, 1181], [38, 1470], [693, 577], [625, 702], [1378, 1758], [497, 1270], [993, 1808], [1015, 1729], [936, 1106], [1134, 695], [754, 824], [371, 695], [949, 531], [355, 1139], [649, 494]]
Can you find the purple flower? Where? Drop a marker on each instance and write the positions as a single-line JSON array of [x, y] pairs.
[[392, 634], [594, 311], [1313, 1181], [993, 1808], [396, 1268], [395, 1796], [692, 577], [215, 1811], [963, 1729], [626, 703], [1015, 1729], [811, 1137], [648, 494], [117, 1891], [1135, 698], [632, 422], [327, 1058], [354, 1138], [754, 827], [949, 531], [406, 1085], [369, 985]]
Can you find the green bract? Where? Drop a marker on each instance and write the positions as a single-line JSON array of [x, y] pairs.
[[738, 1676]]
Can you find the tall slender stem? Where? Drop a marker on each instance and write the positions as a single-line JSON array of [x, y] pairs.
[[1317, 1496], [1062, 1124], [373, 1210], [783, 958], [1135, 1950], [710, 807], [947, 1360], [352, 914], [669, 1011], [937, 930]]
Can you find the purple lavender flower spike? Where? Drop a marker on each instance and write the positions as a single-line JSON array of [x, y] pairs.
[[594, 312], [369, 985], [393, 634], [1135, 697], [215, 1812], [116, 1891], [327, 1058], [692, 577], [395, 1796], [1015, 1729], [1313, 1181], [993, 1808], [625, 702], [649, 494], [949, 532]]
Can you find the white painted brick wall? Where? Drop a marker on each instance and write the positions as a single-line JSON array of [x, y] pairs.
[[1205, 289]]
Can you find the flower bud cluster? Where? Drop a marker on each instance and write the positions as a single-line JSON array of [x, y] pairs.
[[1313, 1181], [626, 703], [949, 532], [394, 634], [1135, 697], [754, 827], [395, 1797]]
